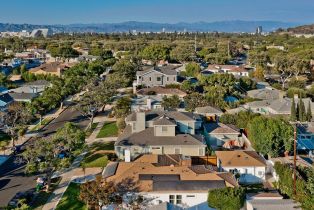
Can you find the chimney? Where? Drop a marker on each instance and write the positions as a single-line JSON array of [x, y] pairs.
[[140, 123], [149, 103], [127, 156]]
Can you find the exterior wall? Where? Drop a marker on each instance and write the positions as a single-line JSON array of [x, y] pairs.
[[248, 174], [217, 140], [188, 199], [150, 79], [164, 130], [166, 149], [186, 126]]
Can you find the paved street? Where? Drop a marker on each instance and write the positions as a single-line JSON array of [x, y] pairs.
[[12, 178]]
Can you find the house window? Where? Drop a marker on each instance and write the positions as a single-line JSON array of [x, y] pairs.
[[174, 78], [155, 147], [150, 79], [164, 128], [134, 126], [158, 79], [171, 199], [190, 196], [167, 78], [177, 151], [260, 173], [179, 199]]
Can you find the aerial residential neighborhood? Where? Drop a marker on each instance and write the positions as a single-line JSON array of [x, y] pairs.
[[152, 105]]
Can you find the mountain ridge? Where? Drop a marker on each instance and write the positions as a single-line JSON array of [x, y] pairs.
[[201, 26]]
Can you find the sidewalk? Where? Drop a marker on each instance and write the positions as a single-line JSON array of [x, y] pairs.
[[73, 172]]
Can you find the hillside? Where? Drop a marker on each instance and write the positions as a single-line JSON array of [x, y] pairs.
[[305, 29]]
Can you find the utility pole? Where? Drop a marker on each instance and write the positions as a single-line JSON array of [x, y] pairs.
[[228, 49], [195, 47], [295, 161]]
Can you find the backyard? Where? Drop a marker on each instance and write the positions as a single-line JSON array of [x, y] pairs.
[[109, 129]]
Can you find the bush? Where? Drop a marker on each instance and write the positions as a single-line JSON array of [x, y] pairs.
[[226, 198], [120, 124], [292, 91]]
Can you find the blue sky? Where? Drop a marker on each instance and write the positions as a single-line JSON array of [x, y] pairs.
[[170, 11]]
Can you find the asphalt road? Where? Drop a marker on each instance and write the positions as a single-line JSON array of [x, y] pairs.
[[12, 177]]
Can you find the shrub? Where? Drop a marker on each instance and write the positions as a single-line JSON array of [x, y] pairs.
[[226, 198]]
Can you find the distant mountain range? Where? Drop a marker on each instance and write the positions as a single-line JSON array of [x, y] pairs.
[[221, 26]]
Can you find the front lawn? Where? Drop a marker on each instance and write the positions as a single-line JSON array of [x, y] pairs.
[[92, 160], [109, 129], [98, 155], [90, 130], [70, 199]]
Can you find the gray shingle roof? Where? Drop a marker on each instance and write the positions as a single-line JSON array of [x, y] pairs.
[[147, 138], [164, 121], [278, 204], [220, 128], [264, 94], [167, 70], [177, 116], [208, 110], [23, 96]]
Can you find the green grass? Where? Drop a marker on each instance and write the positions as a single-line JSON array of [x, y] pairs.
[[96, 156], [4, 139], [92, 160], [70, 199], [43, 123], [109, 129], [42, 197], [90, 130], [97, 146]]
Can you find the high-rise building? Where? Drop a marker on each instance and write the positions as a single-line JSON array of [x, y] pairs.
[[259, 30]]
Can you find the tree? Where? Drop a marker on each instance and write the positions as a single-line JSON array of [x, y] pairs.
[[171, 102], [293, 116], [123, 107], [271, 136], [46, 158], [259, 73], [125, 70], [50, 154], [192, 69], [155, 52], [70, 136], [188, 86], [194, 100], [88, 106], [247, 84], [15, 119], [309, 113], [302, 111], [182, 53], [3, 79], [97, 193], [226, 198]]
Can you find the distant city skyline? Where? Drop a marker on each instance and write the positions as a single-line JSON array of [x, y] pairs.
[[159, 11]]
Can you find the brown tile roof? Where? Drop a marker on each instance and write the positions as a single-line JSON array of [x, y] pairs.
[[230, 68], [50, 67], [240, 158], [220, 128], [147, 177]]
